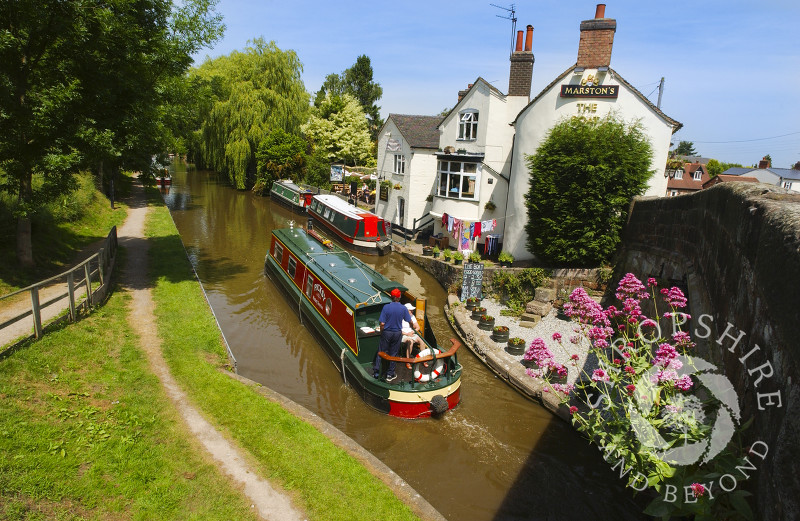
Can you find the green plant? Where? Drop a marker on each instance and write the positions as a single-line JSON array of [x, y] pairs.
[[474, 256], [473, 300], [517, 289], [398, 186], [490, 205], [505, 257], [429, 198], [458, 255], [436, 249], [604, 274], [500, 329], [487, 318], [447, 254], [386, 184], [516, 341]]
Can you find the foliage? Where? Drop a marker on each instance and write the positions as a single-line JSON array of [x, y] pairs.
[[338, 127], [685, 148], [500, 329], [474, 256], [447, 254], [82, 85], [356, 81], [714, 168], [256, 91], [517, 289], [318, 169], [642, 406], [279, 156], [505, 257], [516, 341], [436, 249], [458, 255], [582, 179], [490, 206]]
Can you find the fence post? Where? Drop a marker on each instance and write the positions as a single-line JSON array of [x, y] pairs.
[[71, 290], [101, 260], [37, 317], [88, 273]]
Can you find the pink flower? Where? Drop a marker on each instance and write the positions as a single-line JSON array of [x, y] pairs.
[[631, 287], [573, 409], [574, 357], [630, 370], [599, 375], [698, 489], [630, 388], [557, 336], [674, 297], [652, 282], [684, 383]]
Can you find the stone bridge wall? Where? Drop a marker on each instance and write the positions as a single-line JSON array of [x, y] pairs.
[[736, 249]]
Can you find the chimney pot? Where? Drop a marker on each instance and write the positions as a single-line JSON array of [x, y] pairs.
[[519, 42], [529, 38], [601, 11]]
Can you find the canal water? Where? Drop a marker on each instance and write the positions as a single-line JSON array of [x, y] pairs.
[[497, 456]]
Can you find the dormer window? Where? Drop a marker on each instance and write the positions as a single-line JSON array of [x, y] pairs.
[[698, 174], [468, 124], [679, 174]]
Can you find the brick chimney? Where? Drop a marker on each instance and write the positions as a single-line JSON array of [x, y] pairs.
[[597, 38], [764, 163], [463, 93], [519, 79]]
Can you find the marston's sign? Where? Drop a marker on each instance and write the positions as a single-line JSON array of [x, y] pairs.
[[594, 91]]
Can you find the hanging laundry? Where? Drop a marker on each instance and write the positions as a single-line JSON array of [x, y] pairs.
[[477, 233], [465, 236], [472, 231], [450, 220], [444, 220], [458, 226]]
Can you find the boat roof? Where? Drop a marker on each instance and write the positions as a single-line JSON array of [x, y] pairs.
[[355, 282], [343, 207], [292, 186]]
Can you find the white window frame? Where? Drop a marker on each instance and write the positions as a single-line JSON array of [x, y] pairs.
[[787, 185], [399, 165], [453, 176], [698, 175], [679, 174], [468, 125], [673, 193]]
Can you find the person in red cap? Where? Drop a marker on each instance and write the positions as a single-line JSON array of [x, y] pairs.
[[391, 320]]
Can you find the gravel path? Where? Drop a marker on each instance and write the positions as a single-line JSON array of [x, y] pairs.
[[544, 329]]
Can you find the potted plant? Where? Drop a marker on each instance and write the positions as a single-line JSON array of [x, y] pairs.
[[474, 256], [490, 206], [472, 302], [477, 312], [398, 186], [436, 252], [427, 251], [486, 322], [429, 198], [447, 254], [458, 257], [505, 258], [516, 346], [500, 333]]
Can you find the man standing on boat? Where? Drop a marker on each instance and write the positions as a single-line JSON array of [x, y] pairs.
[[391, 320]]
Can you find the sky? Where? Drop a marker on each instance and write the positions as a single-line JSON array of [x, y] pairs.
[[731, 69]]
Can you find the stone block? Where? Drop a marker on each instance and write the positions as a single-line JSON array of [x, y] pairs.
[[538, 308], [529, 319], [545, 294]]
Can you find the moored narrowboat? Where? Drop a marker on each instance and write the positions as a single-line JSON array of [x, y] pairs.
[[341, 298], [355, 228], [289, 194]]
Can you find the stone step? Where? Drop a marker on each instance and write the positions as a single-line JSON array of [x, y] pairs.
[[529, 319]]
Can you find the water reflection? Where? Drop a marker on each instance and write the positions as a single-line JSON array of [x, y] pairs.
[[496, 456]]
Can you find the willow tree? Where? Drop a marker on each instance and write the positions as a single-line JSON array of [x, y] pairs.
[[258, 90], [339, 127]]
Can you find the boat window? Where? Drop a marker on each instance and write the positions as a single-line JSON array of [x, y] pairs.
[[292, 266], [279, 252], [328, 305], [309, 286]]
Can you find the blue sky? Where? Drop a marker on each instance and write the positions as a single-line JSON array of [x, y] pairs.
[[731, 69]]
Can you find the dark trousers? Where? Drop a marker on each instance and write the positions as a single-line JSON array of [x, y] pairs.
[[390, 344]]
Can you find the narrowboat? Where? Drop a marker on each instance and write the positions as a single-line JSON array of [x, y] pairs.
[[341, 299], [357, 229], [289, 194]]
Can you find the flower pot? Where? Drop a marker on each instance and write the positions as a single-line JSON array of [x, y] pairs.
[[472, 304], [531, 364], [436, 254], [486, 325], [427, 251], [515, 349], [500, 336], [477, 312], [457, 261]]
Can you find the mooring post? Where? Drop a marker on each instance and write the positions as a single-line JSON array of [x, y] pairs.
[[37, 317]]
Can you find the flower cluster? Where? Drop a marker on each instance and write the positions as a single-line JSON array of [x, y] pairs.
[[539, 353]]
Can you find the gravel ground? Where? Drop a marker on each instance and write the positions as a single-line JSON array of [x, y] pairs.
[[544, 329]]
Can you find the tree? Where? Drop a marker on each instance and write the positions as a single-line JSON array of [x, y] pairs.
[[685, 148], [81, 81], [258, 90], [714, 167], [338, 129], [333, 85], [356, 81], [280, 156], [582, 179]]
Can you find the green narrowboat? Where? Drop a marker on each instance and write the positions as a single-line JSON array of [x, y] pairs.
[[341, 299], [289, 194], [357, 229]]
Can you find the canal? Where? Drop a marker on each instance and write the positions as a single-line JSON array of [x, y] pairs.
[[497, 456]]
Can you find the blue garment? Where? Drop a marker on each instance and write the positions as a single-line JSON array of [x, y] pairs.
[[390, 344], [392, 316]]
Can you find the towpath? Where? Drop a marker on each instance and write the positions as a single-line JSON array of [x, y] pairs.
[[269, 502]]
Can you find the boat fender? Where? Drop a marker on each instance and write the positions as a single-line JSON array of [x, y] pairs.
[[344, 374], [438, 367], [439, 404]]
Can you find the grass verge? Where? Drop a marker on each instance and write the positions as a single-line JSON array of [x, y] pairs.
[[86, 432], [326, 482]]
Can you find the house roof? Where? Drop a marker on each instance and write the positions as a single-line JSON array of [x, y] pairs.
[[419, 131], [723, 178], [676, 125], [472, 86], [688, 182], [737, 170], [783, 173]]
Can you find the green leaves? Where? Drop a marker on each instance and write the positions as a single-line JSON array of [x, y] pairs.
[[338, 127]]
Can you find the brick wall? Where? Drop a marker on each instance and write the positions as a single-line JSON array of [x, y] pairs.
[[519, 79], [597, 39]]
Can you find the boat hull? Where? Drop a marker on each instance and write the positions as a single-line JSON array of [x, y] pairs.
[[402, 398], [365, 247]]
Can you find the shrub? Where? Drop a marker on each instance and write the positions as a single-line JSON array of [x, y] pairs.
[[518, 289], [474, 256], [505, 257], [436, 249], [458, 256], [447, 254]]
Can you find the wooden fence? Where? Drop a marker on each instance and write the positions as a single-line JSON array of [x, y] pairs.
[[62, 297]]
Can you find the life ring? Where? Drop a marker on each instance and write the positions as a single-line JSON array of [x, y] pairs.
[[438, 367]]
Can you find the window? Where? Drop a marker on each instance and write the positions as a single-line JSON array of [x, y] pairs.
[[698, 174], [787, 185], [278, 253], [673, 193], [458, 180], [468, 125], [309, 286], [678, 174], [292, 266], [399, 164], [327, 213]]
